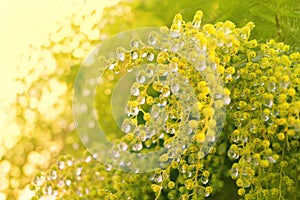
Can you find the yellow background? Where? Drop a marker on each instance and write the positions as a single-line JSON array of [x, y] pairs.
[[22, 23]]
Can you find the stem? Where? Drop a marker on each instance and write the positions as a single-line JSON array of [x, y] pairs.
[[278, 27], [281, 174]]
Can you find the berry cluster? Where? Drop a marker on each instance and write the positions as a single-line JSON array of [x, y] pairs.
[[176, 103]]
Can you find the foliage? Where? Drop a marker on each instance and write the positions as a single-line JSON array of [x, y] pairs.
[[257, 154], [277, 19]]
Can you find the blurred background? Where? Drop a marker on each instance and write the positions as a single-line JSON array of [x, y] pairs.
[[25, 26], [44, 42]]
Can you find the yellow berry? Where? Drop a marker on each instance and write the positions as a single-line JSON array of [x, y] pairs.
[[230, 70], [162, 57], [147, 116], [199, 13], [239, 182], [265, 143], [184, 197], [227, 92], [149, 100], [264, 163], [209, 189], [280, 136], [285, 60], [199, 105], [201, 38], [291, 92], [174, 164], [221, 69], [155, 188], [133, 103], [200, 136], [206, 173], [295, 57], [264, 47], [209, 28], [276, 157], [285, 78], [291, 120], [129, 136], [252, 43], [281, 121], [171, 185], [282, 98], [256, 156], [291, 133], [177, 17], [251, 54], [175, 60], [174, 27], [134, 121], [251, 25], [229, 24], [201, 85], [205, 90], [164, 158], [271, 52], [189, 184], [241, 191], [267, 111]]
